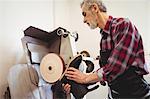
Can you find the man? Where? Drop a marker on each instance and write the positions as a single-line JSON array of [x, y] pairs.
[[122, 63]]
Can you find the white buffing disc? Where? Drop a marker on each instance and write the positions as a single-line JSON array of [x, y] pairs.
[[51, 67]]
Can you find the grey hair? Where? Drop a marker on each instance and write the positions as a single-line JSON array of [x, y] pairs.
[[100, 4]]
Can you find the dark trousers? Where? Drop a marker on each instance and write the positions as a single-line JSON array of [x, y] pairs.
[[129, 85]]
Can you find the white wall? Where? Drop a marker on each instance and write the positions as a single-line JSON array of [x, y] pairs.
[[62, 14], [148, 5], [88, 39], [16, 16]]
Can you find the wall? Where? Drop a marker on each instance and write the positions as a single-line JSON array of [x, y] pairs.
[[15, 17], [148, 7], [61, 13]]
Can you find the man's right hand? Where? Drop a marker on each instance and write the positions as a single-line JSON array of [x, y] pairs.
[[67, 88]]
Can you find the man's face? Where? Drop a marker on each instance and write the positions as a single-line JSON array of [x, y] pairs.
[[89, 17]]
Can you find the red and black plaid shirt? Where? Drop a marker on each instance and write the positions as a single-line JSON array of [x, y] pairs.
[[126, 45]]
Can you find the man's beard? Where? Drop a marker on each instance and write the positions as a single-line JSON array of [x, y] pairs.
[[93, 25]]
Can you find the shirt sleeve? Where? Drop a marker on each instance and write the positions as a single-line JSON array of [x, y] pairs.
[[123, 52]]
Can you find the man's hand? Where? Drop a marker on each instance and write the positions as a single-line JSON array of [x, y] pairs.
[[67, 88], [80, 77], [76, 75]]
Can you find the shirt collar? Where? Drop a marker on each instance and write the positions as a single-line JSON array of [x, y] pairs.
[[107, 27]]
